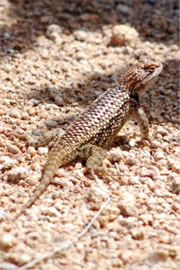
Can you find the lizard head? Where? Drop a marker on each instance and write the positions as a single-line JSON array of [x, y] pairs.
[[141, 75]]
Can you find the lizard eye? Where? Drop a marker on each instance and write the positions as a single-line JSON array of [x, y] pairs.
[[151, 69]]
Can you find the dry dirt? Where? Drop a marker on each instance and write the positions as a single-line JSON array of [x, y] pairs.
[[56, 57]]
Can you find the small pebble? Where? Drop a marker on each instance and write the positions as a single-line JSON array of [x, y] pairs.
[[8, 266], [15, 113], [18, 173], [50, 211], [7, 160], [134, 180], [13, 149], [34, 101], [175, 185], [80, 35], [59, 100], [31, 150], [159, 155], [6, 241], [126, 204], [24, 258], [138, 234], [54, 32], [51, 124], [158, 255], [124, 9], [132, 142], [124, 35], [42, 150]]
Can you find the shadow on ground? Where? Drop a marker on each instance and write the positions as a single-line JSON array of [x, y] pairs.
[[154, 20]]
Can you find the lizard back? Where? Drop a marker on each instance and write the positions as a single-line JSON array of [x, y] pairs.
[[101, 121]]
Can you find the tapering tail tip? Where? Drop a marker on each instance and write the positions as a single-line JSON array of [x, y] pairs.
[[49, 171]]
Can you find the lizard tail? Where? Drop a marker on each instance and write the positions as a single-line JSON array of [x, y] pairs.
[[55, 160]]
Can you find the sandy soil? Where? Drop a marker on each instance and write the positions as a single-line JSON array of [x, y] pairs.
[[56, 58]]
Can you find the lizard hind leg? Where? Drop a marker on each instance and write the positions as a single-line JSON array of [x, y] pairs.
[[45, 138], [94, 156]]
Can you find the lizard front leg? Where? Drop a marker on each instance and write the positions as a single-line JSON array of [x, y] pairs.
[[143, 122]]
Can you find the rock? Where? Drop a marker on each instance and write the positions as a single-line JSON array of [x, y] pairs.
[[42, 150], [18, 173], [59, 100], [6, 241], [13, 149], [54, 33], [124, 35], [175, 185], [51, 124], [124, 9], [126, 204], [80, 35]]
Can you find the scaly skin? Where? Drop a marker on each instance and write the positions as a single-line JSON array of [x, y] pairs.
[[90, 134]]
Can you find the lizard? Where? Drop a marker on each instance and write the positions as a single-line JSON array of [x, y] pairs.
[[93, 131]]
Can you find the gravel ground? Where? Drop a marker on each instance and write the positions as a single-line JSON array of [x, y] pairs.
[[56, 58]]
